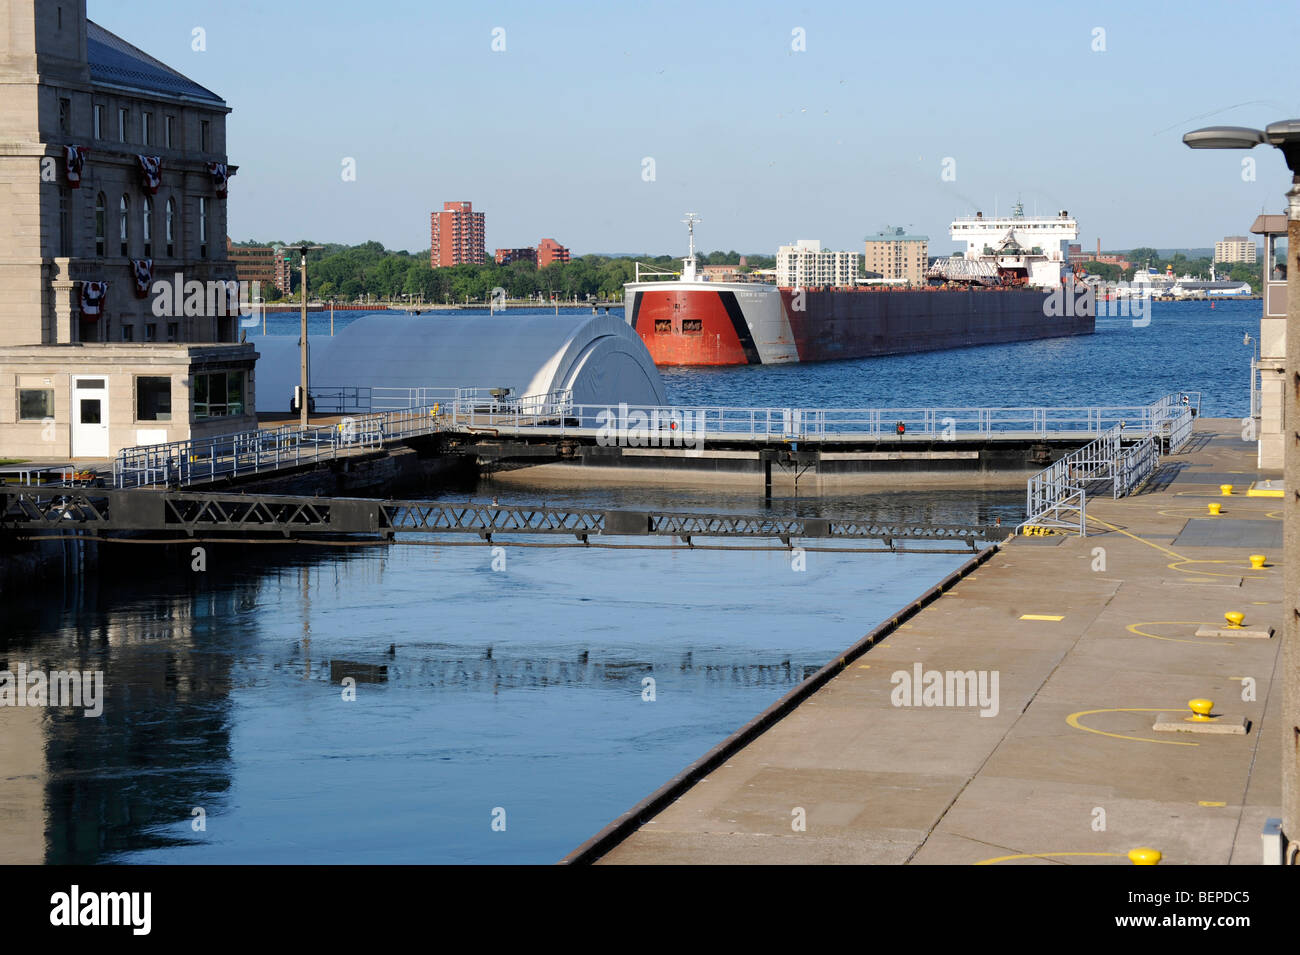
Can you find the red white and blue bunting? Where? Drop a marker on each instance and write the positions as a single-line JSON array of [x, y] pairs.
[[220, 177], [151, 173], [142, 272], [74, 162], [92, 299]]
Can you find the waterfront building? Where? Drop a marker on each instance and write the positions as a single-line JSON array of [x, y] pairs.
[[456, 236], [897, 256], [806, 265], [1268, 372], [1236, 248], [506, 256], [253, 263], [115, 179], [724, 273], [548, 251]]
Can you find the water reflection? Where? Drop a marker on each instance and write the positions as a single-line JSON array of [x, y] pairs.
[[520, 687]]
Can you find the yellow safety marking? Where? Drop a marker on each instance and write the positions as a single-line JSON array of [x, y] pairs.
[[1140, 540], [1040, 616], [864, 666], [1044, 855], [1204, 641], [1253, 491], [1073, 720], [1176, 565], [1211, 804], [1276, 515]]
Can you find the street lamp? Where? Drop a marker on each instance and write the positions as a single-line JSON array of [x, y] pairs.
[[1284, 135], [304, 399]]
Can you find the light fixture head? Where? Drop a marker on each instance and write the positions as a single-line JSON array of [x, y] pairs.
[[1224, 137]]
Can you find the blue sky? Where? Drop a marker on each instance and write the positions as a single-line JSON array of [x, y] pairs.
[[766, 143]]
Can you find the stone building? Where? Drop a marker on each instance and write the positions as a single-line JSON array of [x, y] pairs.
[[117, 326]]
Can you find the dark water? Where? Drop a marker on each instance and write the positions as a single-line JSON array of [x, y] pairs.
[[517, 688]]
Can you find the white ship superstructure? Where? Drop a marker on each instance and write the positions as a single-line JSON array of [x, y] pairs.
[[1009, 250]]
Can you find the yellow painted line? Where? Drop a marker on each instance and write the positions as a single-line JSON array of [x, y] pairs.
[[1204, 641], [864, 666], [1140, 540], [1276, 515], [1177, 565], [1045, 855], [1040, 616], [1073, 720], [1211, 804]]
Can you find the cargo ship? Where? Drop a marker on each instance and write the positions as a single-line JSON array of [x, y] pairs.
[[999, 290]]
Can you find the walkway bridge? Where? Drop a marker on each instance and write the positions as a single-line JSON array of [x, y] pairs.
[[532, 430], [185, 515]]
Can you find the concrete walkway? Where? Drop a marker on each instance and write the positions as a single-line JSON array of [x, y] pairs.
[[1091, 639]]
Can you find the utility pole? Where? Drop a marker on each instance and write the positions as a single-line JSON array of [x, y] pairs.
[[304, 400]]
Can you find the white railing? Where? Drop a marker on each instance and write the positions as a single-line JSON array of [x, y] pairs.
[[1057, 495], [250, 452]]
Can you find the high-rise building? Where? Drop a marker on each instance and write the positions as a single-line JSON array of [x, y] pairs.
[[548, 251], [456, 236], [897, 256], [115, 180], [1236, 248], [806, 265]]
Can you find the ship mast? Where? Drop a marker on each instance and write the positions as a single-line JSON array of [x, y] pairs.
[[688, 263]]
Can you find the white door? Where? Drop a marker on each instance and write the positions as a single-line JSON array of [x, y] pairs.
[[90, 417]]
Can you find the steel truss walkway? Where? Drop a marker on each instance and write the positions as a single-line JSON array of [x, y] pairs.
[[60, 511]]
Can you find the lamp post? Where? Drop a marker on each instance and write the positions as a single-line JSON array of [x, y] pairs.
[[304, 400], [1284, 135]]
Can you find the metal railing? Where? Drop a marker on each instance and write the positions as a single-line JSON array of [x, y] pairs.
[[1057, 496], [935, 424], [180, 463]]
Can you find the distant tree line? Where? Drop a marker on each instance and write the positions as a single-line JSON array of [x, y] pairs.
[[368, 271]]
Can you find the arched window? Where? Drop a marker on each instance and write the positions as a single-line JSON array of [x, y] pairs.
[[101, 223], [171, 227], [124, 221], [146, 221]]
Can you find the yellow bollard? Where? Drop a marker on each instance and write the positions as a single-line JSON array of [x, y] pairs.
[[1234, 618], [1144, 856], [1215, 507], [1225, 490], [1200, 710], [1257, 561]]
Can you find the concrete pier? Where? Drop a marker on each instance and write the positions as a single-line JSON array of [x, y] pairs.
[[1081, 645]]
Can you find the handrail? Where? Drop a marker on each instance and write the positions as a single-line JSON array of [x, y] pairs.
[[1057, 495], [180, 463]]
